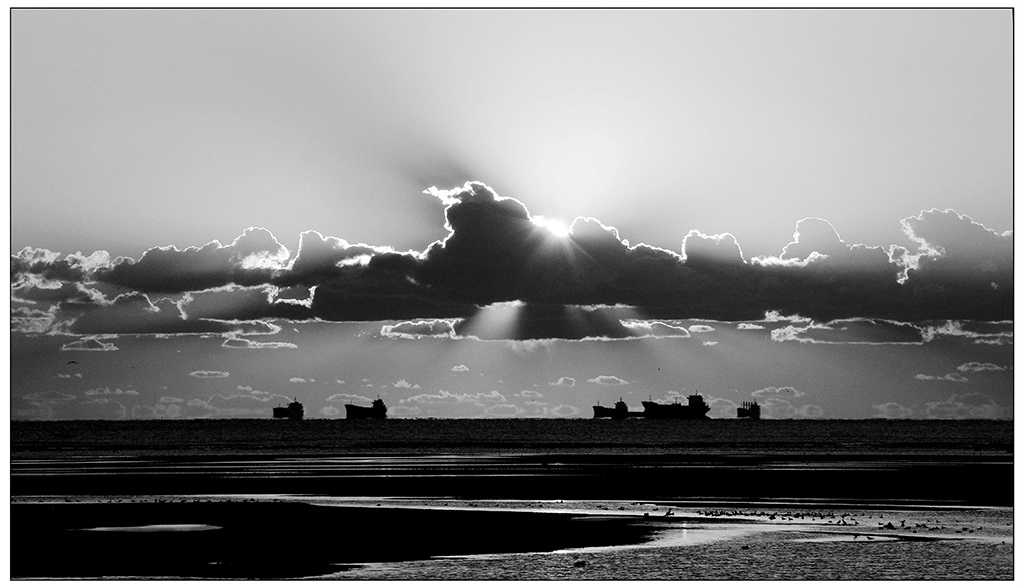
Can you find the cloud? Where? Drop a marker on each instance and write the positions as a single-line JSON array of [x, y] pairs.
[[780, 408], [952, 377], [108, 392], [607, 381], [709, 343], [249, 260], [209, 374], [892, 410], [444, 396], [297, 380], [565, 411], [721, 408], [974, 366], [495, 251], [504, 410], [460, 368], [171, 400], [701, 328], [330, 411], [349, 398], [404, 411], [88, 344], [748, 326], [702, 249], [972, 405], [852, 332], [406, 385], [657, 329], [773, 392], [564, 381], [995, 333], [438, 328], [530, 394], [239, 343]]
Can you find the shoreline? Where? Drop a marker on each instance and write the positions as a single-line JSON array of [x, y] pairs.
[[363, 531]]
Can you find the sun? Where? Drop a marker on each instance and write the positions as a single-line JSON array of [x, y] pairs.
[[556, 227]]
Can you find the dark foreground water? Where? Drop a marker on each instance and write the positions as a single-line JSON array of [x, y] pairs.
[[512, 499]]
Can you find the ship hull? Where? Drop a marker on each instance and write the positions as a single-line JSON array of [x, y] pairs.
[[353, 411], [653, 410], [604, 412]]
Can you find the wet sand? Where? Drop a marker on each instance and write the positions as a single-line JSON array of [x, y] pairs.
[[268, 536], [436, 500]]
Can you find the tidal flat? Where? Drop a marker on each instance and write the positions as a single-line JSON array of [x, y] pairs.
[[562, 499]]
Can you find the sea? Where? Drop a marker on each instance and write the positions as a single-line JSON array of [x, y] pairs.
[[513, 499]]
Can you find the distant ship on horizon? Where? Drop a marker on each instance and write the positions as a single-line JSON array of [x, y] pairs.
[[749, 410], [696, 409], [377, 410], [293, 411]]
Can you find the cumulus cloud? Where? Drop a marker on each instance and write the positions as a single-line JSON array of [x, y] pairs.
[[565, 411], [951, 377], [104, 391], [504, 410], [209, 374], [974, 366], [88, 344], [748, 326], [530, 394], [892, 410], [349, 398], [405, 384], [709, 343], [297, 380], [564, 381], [495, 251], [972, 405], [721, 408], [659, 329], [233, 405], [701, 328], [438, 328], [239, 343], [852, 332], [699, 248], [607, 381], [248, 260], [330, 411], [781, 408], [460, 368], [444, 396], [774, 392]]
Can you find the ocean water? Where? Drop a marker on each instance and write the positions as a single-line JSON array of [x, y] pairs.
[[748, 500]]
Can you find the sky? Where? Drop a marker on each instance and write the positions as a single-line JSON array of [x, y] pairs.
[[511, 213]]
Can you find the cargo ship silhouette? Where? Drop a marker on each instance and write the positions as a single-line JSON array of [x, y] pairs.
[[749, 410], [293, 411], [377, 410], [695, 409]]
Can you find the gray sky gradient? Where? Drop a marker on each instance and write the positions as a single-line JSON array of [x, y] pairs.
[[800, 133], [132, 129]]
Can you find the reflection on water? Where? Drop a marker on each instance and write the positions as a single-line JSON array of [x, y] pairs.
[[752, 551]]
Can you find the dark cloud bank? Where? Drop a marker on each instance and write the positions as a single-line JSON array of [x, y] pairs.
[[950, 268]]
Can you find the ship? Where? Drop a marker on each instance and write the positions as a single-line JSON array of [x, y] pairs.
[[749, 410], [620, 411], [293, 411], [696, 409], [375, 411]]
